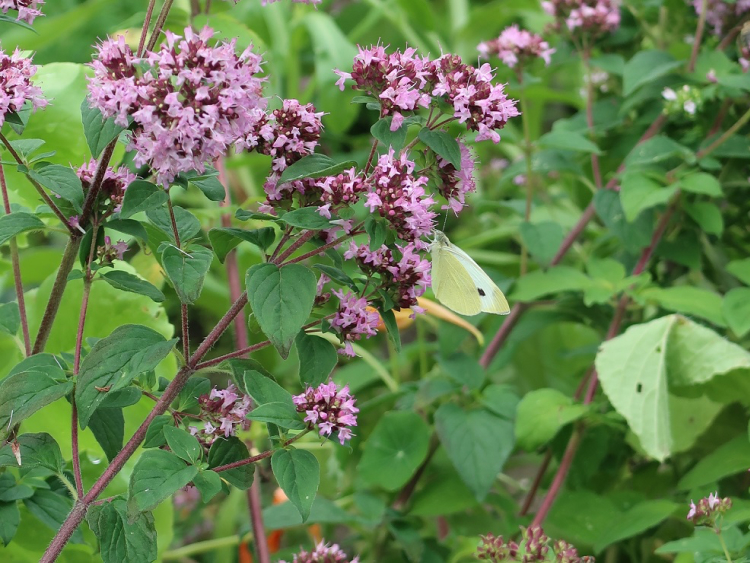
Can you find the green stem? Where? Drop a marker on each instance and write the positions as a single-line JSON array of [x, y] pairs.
[[181, 553], [721, 538]]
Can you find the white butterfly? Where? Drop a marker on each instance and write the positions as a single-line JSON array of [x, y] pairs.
[[460, 284]]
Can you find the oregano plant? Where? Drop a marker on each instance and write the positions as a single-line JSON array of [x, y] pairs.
[[218, 335]]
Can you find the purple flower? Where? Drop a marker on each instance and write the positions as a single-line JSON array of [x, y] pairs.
[[721, 15], [223, 411], [27, 9], [15, 84], [323, 553], [706, 510], [457, 183], [116, 181], [332, 410], [400, 197], [590, 17], [353, 319], [515, 45], [190, 101]]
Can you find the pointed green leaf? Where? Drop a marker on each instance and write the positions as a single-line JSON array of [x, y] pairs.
[[188, 225], [142, 196], [18, 222], [188, 397], [115, 361], [36, 450], [314, 166], [381, 130], [23, 394], [126, 281], [10, 518], [306, 218], [389, 320], [645, 67], [264, 389], [229, 450], [60, 180], [736, 309], [443, 144], [108, 426], [701, 183], [281, 414], [208, 484], [187, 270], [155, 433], [52, 509], [728, 459], [10, 318], [542, 239], [569, 141], [687, 299], [99, 132], [157, 475], [281, 299], [183, 444], [317, 358], [224, 239], [639, 192], [123, 536], [541, 414], [298, 475]]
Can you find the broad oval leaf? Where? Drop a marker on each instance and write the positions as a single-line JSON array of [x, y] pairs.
[[115, 361], [126, 281], [35, 450], [298, 475], [229, 450], [314, 166], [16, 223], [157, 475], [541, 413], [123, 536], [282, 299], [142, 196], [443, 144], [183, 444], [282, 415], [317, 358], [99, 131], [188, 225], [22, 394], [381, 130], [224, 239], [306, 218], [60, 180], [187, 269]]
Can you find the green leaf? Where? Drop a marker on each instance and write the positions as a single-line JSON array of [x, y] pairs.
[[126, 281], [464, 370], [10, 518], [208, 484], [60, 180], [542, 239], [638, 519], [569, 141], [645, 67], [477, 442], [23, 394], [703, 540], [157, 475], [396, 448], [281, 299], [314, 166], [701, 183], [129, 227], [155, 433], [52, 509], [639, 192], [99, 132], [728, 459], [123, 536], [443, 144], [187, 270], [188, 225], [264, 389], [245, 215], [142, 196], [298, 475], [687, 299], [657, 149], [281, 414], [708, 216], [381, 130], [224, 239], [188, 397], [541, 414], [633, 236], [229, 450], [306, 218], [183, 444], [10, 318], [108, 426], [317, 358], [389, 320], [36, 450], [740, 269], [11, 491], [377, 231], [115, 361], [736, 309], [539, 283], [16, 223], [337, 275], [210, 185]]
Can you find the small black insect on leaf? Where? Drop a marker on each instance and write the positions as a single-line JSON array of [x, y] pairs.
[[638, 388], [481, 291]]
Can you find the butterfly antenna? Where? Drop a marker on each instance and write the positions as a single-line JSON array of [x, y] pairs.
[[445, 219]]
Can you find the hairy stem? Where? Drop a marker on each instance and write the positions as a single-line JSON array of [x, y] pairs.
[[144, 31], [355, 231], [260, 456], [183, 306], [160, 20], [16, 263], [374, 148], [302, 239], [586, 56], [74, 446]]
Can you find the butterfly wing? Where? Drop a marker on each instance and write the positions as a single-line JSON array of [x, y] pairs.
[[452, 283], [491, 299]]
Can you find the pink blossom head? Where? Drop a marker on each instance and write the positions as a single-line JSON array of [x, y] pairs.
[[323, 553], [223, 412], [517, 46], [721, 15], [590, 18], [329, 408], [27, 9], [16, 88], [114, 184]]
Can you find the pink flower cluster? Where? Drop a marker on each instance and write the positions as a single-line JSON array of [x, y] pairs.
[[323, 553], [721, 14], [707, 509], [116, 181], [15, 84], [455, 184], [111, 252], [224, 411], [591, 17], [401, 198], [404, 279], [189, 101], [331, 409], [27, 9], [533, 546], [405, 82], [517, 46], [352, 320]]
